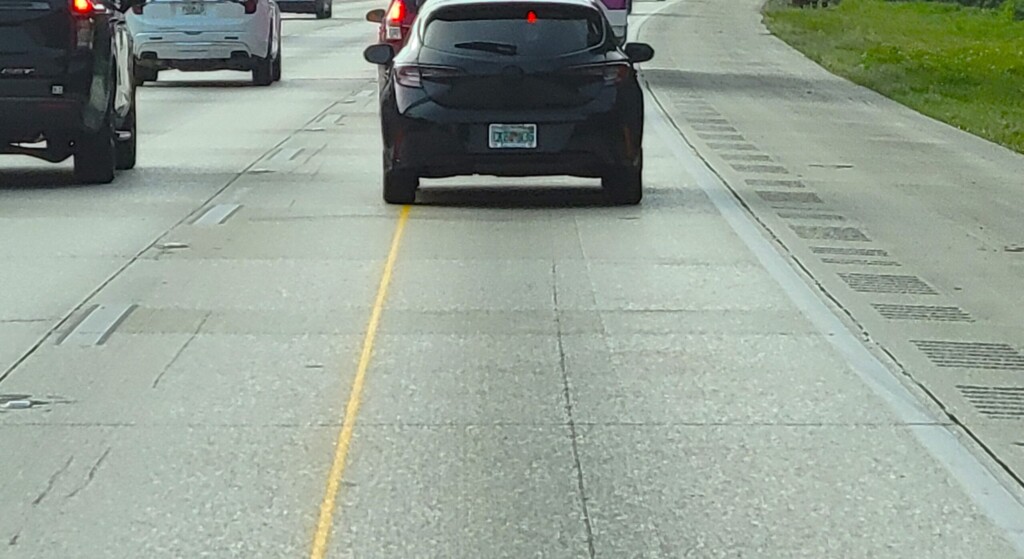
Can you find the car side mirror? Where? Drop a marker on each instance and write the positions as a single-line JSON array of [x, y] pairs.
[[380, 54], [639, 52], [375, 16]]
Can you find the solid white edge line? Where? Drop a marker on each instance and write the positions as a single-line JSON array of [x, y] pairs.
[[993, 498]]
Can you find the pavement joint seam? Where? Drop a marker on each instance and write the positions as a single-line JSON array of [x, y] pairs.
[[567, 392], [182, 349]]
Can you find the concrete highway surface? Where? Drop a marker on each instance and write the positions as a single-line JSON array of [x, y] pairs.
[[806, 342]]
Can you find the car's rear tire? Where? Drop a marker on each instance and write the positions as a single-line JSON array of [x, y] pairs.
[[263, 72], [127, 149], [324, 9], [96, 155], [624, 185], [143, 75], [263, 69], [276, 69], [400, 187]]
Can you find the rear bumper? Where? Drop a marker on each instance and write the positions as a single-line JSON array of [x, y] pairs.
[[25, 119], [583, 148], [164, 49], [298, 6]]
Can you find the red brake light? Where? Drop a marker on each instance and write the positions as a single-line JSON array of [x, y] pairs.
[[250, 6], [83, 7], [531, 17], [396, 12]]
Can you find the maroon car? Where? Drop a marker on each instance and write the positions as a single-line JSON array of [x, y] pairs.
[[395, 22]]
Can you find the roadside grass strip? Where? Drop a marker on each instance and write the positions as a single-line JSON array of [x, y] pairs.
[[960, 65]]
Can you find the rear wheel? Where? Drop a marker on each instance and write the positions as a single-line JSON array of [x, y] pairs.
[[624, 185], [323, 9], [400, 187], [96, 154], [127, 148], [143, 75], [263, 71], [276, 68]]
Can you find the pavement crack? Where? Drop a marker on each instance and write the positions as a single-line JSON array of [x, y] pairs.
[[92, 473], [181, 350], [573, 434], [13, 541], [53, 481]]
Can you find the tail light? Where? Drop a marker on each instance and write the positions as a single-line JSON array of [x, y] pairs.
[[395, 17], [83, 12], [609, 73], [83, 8], [250, 6], [396, 12], [414, 76], [138, 8]]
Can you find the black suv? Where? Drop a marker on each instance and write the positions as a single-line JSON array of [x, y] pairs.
[[65, 84]]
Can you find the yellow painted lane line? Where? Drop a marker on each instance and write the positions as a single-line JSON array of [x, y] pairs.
[[327, 507]]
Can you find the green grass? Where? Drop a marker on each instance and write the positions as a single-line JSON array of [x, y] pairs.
[[964, 66]]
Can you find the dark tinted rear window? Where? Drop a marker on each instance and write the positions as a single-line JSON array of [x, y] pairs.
[[514, 29]]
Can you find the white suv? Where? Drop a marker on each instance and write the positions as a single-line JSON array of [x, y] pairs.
[[204, 35]]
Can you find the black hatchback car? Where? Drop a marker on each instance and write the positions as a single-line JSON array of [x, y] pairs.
[[65, 84], [518, 88]]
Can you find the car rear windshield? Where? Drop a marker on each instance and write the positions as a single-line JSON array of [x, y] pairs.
[[514, 29]]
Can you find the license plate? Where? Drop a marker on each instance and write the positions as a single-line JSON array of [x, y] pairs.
[[193, 9], [513, 136]]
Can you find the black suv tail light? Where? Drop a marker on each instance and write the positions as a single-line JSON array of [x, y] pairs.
[[83, 8], [83, 12], [250, 6]]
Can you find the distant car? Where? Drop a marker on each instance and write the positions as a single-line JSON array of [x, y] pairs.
[[321, 8], [618, 14], [512, 88], [395, 22], [205, 35], [65, 84]]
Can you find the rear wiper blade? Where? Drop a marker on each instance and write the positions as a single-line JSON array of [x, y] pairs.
[[489, 46]]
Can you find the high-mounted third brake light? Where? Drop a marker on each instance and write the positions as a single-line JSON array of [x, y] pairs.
[[531, 17]]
